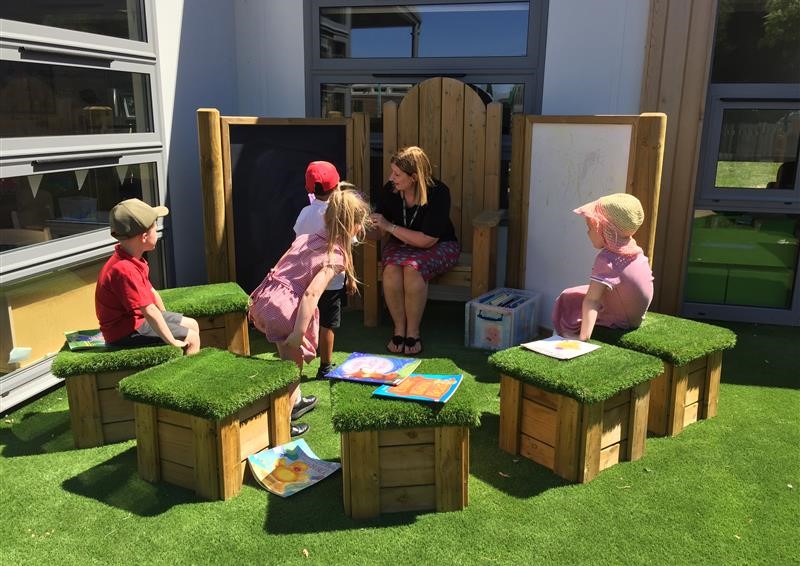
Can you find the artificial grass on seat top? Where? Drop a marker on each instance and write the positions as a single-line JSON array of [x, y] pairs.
[[674, 340], [590, 378], [206, 300], [355, 409], [99, 360], [212, 384]]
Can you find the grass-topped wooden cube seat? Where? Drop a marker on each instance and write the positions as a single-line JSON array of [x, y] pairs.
[[220, 310], [403, 455], [98, 414], [199, 417], [576, 417], [688, 388]]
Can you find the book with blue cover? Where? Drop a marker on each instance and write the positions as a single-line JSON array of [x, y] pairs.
[[372, 368], [428, 387]]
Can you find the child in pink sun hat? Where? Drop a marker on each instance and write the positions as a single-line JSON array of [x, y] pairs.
[[621, 282]]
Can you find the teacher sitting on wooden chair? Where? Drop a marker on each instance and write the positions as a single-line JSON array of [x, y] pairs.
[[414, 211]]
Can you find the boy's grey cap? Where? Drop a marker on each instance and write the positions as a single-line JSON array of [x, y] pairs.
[[133, 217]]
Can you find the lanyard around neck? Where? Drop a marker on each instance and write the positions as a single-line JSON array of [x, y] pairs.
[[413, 216]]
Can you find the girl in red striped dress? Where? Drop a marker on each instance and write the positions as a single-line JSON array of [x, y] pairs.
[[284, 305]]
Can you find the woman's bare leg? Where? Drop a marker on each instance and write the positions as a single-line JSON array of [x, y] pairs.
[[393, 293], [416, 296]]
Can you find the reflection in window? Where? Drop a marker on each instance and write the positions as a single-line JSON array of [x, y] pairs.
[[41, 207], [438, 30], [757, 41], [115, 18], [740, 258], [53, 100], [758, 149]]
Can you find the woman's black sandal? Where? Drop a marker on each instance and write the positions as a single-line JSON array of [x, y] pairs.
[[397, 341], [410, 343]]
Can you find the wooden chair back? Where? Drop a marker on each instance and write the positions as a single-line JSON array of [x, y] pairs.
[[18, 237], [461, 134]]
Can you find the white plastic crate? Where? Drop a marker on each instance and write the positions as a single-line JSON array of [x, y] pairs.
[[501, 318]]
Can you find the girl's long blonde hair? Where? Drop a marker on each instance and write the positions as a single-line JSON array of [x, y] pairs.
[[413, 160], [347, 215]]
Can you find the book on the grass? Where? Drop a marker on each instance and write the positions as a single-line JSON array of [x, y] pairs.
[[289, 468], [85, 339], [433, 388], [372, 368], [559, 347]]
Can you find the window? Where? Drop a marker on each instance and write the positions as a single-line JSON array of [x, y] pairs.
[[367, 52], [80, 132], [743, 254]]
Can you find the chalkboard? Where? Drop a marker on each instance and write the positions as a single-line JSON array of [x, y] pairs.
[[571, 164], [268, 164]]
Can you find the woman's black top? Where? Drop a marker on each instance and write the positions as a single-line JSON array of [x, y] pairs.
[[433, 219]]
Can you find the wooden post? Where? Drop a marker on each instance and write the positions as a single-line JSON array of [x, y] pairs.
[[591, 428], [480, 260], [237, 337], [280, 412], [708, 407], [680, 378], [451, 482], [515, 192], [207, 472], [637, 420], [229, 458], [364, 474], [84, 410], [567, 439], [147, 458], [370, 279], [651, 128], [510, 407], [213, 186]]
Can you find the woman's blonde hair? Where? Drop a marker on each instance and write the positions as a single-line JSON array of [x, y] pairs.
[[412, 160], [347, 215]]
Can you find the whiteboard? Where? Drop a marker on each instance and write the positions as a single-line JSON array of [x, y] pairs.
[[571, 164]]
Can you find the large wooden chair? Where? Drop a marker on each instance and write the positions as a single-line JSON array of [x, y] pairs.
[[17, 237], [461, 135]]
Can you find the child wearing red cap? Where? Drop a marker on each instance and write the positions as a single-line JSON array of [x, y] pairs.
[[322, 179], [621, 283]]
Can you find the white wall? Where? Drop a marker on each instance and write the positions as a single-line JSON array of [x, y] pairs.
[[270, 58], [595, 56], [197, 63]]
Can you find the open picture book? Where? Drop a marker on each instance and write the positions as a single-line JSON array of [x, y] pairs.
[[289, 468], [432, 388], [372, 368], [562, 348], [85, 339]]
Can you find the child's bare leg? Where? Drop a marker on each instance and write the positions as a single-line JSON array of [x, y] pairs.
[[192, 342], [326, 337], [190, 323]]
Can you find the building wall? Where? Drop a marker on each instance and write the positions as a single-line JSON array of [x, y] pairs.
[[594, 57], [197, 58], [270, 58]]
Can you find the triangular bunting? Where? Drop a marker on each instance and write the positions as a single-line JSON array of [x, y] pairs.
[[34, 181], [80, 177]]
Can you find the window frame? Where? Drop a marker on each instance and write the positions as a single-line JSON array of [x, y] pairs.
[[38, 259], [528, 69], [63, 37], [743, 96], [22, 146]]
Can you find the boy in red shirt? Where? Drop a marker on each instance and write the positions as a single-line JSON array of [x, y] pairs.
[[129, 309]]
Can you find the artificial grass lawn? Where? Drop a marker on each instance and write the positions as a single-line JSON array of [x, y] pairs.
[[212, 384], [746, 174], [718, 493], [67, 363]]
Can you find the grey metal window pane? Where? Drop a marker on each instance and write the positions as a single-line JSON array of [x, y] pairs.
[[424, 30], [757, 41], [115, 18], [32, 260], [42, 99]]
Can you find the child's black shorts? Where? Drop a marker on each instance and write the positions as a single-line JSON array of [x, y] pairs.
[[330, 307]]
